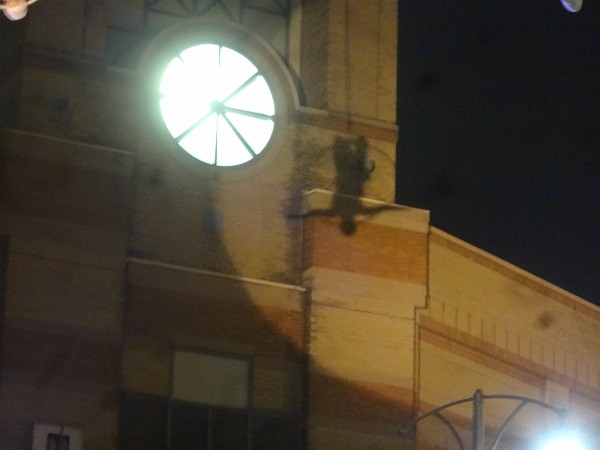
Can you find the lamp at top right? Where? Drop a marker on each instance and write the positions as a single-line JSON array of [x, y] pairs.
[[572, 5]]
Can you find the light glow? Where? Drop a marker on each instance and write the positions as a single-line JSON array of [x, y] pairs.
[[563, 444], [217, 105], [565, 440]]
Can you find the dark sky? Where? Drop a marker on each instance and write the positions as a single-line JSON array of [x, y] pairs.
[[499, 116]]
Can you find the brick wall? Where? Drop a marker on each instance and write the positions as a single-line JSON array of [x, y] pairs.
[[492, 326], [116, 246], [503, 306], [349, 57], [363, 287], [65, 208], [170, 307]]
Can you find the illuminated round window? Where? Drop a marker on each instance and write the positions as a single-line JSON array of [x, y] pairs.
[[217, 105]]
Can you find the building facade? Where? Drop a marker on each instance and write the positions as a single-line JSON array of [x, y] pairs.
[[156, 294]]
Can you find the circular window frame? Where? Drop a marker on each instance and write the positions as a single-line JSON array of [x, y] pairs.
[[168, 44]]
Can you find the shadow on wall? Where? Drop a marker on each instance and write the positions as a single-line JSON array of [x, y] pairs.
[[276, 338], [73, 365], [353, 169]]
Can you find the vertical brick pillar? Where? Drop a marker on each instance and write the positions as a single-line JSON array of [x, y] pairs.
[[348, 60], [364, 288]]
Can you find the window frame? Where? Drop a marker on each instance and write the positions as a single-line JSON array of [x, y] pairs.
[[170, 43], [212, 408], [138, 411]]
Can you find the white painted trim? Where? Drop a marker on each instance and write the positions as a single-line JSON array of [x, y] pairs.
[[180, 268], [393, 215], [68, 141]]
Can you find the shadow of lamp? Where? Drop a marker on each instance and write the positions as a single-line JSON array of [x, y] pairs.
[[562, 439]]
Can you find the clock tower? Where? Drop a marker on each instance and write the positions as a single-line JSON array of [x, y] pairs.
[[199, 247], [214, 187]]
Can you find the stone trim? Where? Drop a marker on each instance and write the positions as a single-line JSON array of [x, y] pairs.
[[496, 358]]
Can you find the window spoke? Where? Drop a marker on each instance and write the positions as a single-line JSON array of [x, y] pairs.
[[239, 136], [191, 128], [254, 115], [241, 87]]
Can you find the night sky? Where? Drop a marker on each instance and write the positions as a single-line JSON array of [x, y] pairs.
[[499, 117]]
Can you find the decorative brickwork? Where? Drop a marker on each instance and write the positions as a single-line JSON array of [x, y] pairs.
[[375, 250]]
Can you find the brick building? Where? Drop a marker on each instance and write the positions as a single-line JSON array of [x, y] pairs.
[[153, 297]]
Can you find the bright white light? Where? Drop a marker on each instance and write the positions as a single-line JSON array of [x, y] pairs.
[[217, 105], [564, 443]]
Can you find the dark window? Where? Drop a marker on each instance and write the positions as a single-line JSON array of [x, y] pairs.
[[189, 427], [201, 427], [276, 432], [209, 410], [142, 423], [57, 441], [229, 430]]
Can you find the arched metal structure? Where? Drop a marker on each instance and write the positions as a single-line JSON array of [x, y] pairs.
[[478, 425]]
